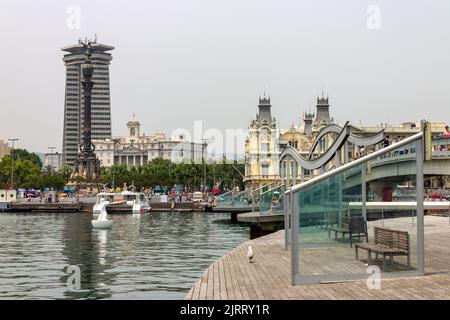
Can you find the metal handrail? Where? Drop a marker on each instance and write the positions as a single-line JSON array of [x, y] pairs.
[[224, 194], [264, 186], [324, 158], [352, 138], [270, 190], [355, 163]]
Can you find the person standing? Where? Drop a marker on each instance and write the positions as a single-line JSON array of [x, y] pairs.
[[446, 132]]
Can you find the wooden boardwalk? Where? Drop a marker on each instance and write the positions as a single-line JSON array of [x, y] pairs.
[[269, 277]]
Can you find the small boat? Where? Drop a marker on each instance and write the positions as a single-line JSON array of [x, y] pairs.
[[123, 202], [102, 222]]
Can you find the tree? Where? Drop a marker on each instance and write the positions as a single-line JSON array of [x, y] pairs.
[[22, 154], [54, 182], [65, 171]]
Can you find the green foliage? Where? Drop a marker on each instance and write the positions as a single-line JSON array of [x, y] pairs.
[[163, 172], [22, 154], [27, 172], [65, 171]]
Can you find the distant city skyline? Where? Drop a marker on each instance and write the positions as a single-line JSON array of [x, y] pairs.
[[178, 62]]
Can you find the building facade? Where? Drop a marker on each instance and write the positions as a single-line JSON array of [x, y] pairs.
[[74, 101], [262, 148], [53, 160], [266, 141], [5, 149], [136, 149]]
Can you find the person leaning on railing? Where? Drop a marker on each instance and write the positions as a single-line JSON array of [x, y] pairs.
[[445, 134]]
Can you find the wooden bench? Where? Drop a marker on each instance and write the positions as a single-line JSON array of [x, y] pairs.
[[353, 226], [387, 242]]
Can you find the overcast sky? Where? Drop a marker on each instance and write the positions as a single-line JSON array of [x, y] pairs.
[[180, 61]]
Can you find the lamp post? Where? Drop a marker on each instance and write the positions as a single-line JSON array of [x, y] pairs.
[[205, 142], [12, 161], [12, 165]]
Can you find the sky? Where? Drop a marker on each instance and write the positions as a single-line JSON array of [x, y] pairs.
[[179, 61]]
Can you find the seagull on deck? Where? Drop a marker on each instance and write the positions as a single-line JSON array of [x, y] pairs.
[[250, 254]]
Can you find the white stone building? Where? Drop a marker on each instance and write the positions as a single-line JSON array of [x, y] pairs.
[[135, 149], [54, 160]]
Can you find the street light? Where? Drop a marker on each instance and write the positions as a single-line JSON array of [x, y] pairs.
[[12, 166], [12, 161], [205, 142]]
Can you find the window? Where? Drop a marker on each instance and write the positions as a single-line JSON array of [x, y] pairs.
[[265, 170], [293, 143], [264, 147], [322, 145]]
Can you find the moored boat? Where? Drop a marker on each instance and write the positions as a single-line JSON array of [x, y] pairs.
[[123, 202]]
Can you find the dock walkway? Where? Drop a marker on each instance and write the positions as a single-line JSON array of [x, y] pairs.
[[269, 277]]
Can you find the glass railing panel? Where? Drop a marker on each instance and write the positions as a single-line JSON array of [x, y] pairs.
[[441, 147], [233, 200], [368, 207], [257, 193], [224, 200], [240, 200], [324, 208], [272, 201]]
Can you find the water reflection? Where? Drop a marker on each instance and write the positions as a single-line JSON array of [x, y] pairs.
[[150, 256]]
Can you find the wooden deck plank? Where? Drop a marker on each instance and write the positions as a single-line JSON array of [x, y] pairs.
[[210, 284], [216, 290], [233, 277], [223, 286], [234, 282]]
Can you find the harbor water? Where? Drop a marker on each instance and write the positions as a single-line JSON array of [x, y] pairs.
[[150, 256]]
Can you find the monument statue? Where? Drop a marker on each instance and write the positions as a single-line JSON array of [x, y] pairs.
[[87, 164]]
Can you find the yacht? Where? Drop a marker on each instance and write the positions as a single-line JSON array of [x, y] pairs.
[[122, 202]]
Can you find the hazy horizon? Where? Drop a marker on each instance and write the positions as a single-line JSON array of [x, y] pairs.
[[176, 62]]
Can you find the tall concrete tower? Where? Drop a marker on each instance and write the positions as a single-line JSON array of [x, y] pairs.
[[74, 100]]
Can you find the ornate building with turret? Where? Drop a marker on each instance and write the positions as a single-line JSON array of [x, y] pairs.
[[262, 147], [265, 141]]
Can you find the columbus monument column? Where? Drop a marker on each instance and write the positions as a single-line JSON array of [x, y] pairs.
[[87, 164]]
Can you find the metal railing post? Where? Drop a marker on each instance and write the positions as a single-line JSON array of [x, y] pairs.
[[420, 197], [295, 223], [287, 215], [294, 172], [363, 191]]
